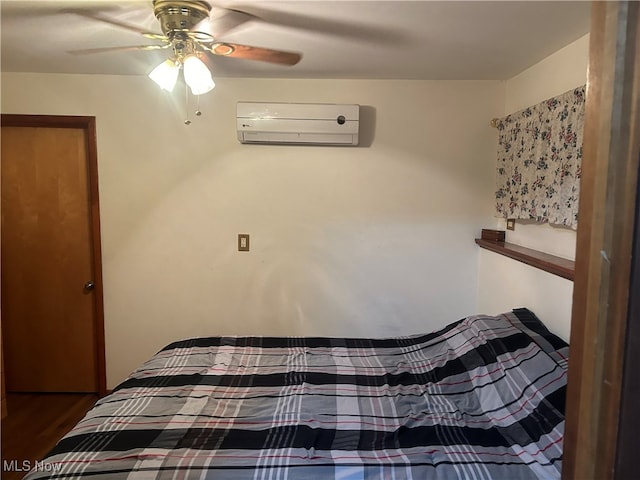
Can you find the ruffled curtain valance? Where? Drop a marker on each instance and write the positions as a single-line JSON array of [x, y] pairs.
[[539, 159]]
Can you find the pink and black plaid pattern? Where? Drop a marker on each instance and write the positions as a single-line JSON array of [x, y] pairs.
[[482, 398]]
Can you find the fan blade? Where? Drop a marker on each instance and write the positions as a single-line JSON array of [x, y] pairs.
[[313, 23], [219, 25], [117, 23], [236, 50], [87, 51]]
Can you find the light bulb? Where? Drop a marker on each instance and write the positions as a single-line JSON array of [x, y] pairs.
[[166, 74], [197, 75]]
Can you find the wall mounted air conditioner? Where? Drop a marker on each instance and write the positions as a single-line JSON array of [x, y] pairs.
[[298, 123]]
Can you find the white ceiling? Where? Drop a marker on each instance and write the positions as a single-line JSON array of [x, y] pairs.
[[338, 39]]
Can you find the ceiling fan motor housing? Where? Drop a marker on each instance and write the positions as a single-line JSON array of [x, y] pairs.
[[179, 16]]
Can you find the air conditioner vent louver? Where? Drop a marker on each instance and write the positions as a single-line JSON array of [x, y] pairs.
[[298, 123]]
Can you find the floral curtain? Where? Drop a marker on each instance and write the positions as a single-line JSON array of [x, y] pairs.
[[539, 158]]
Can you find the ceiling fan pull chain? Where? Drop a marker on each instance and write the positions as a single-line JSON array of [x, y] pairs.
[[186, 104], [198, 112]]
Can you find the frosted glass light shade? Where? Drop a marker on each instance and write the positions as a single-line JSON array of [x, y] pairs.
[[197, 75], [166, 74]]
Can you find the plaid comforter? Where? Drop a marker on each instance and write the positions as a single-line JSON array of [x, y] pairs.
[[481, 399]]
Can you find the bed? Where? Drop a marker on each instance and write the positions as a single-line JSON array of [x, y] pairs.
[[483, 398]]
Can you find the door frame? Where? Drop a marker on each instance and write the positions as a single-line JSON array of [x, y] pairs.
[[88, 124], [603, 331]]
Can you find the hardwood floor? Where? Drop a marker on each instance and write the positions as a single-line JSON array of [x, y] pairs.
[[34, 424]]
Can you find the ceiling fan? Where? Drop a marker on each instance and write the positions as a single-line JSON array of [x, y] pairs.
[[190, 35]]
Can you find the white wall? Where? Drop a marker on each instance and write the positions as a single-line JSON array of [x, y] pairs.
[[370, 241], [504, 283]]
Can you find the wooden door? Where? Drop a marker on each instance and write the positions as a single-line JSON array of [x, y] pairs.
[[51, 277]]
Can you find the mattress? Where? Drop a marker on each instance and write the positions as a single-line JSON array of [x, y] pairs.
[[482, 398]]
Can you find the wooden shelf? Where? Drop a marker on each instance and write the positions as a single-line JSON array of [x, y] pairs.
[[549, 263]]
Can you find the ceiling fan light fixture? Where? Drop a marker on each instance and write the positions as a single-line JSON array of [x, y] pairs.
[[166, 74], [197, 75]]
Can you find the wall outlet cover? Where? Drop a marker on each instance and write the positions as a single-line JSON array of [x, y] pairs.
[[243, 242]]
